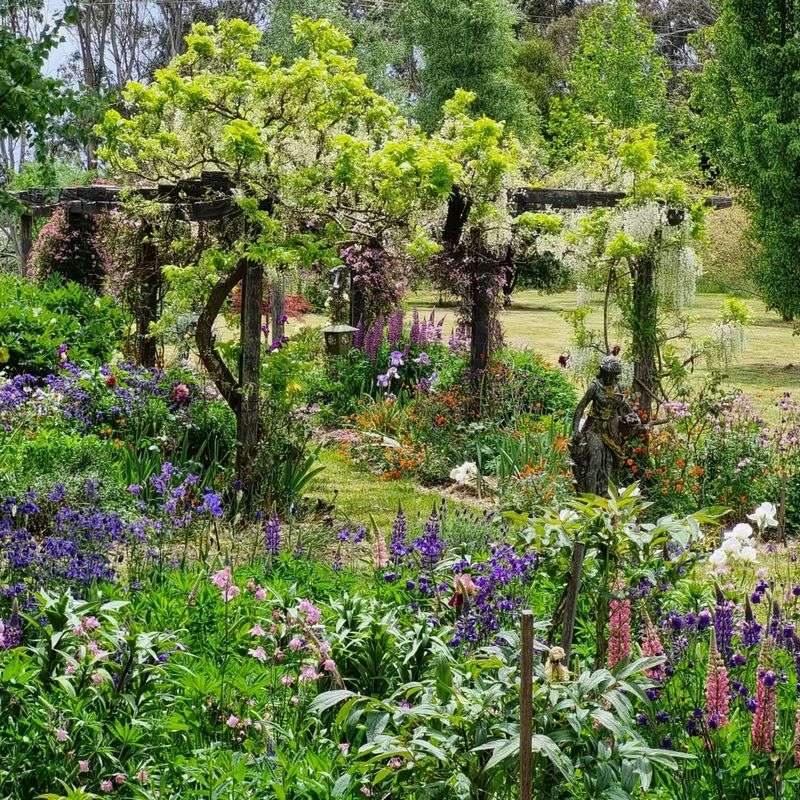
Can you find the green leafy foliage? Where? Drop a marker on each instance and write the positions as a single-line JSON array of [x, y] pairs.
[[36, 320]]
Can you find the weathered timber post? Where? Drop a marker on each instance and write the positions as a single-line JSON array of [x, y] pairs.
[[147, 301], [526, 709], [571, 601], [25, 241], [247, 420], [277, 310]]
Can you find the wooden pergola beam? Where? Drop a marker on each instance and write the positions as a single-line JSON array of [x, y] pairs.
[[538, 199]]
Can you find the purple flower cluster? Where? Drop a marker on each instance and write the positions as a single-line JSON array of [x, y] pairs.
[[425, 331], [272, 536]]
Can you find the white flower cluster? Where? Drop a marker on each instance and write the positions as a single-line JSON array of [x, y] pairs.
[[640, 223], [466, 474], [738, 543], [726, 342], [677, 272]]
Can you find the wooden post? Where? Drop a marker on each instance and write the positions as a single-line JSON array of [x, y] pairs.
[[571, 602], [247, 421], [25, 241], [149, 290], [278, 308], [526, 708], [480, 323]]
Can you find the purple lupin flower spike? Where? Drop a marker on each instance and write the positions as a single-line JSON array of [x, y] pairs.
[[723, 627], [395, 328], [751, 630], [358, 334], [398, 548], [414, 334], [272, 536]]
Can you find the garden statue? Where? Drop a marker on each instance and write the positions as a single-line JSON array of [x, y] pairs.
[[597, 446]]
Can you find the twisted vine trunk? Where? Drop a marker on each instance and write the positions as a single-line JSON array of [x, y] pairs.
[[644, 327], [148, 298]]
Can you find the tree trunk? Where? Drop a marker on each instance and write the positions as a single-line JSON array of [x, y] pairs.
[[249, 373], [147, 302], [480, 331], [644, 325], [25, 241]]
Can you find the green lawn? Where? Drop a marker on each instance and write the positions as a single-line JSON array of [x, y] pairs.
[[769, 366], [357, 493]]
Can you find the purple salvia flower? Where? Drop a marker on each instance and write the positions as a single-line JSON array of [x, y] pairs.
[[751, 630], [430, 545]]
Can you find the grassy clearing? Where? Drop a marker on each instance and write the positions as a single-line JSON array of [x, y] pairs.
[[357, 493]]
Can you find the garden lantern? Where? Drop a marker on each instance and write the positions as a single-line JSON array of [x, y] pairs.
[[338, 339]]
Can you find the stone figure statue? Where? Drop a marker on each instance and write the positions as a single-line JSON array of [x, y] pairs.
[[598, 442]]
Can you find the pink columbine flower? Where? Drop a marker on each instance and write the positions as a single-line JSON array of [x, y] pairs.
[[62, 735], [258, 653], [762, 732], [142, 776], [257, 630], [619, 628], [329, 665], [260, 593], [232, 721], [70, 668], [120, 778], [308, 674], [295, 644], [717, 688], [294, 700], [309, 611], [366, 791], [223, 580], [106, 786], [287, 680], [651, 646], [83, 765]]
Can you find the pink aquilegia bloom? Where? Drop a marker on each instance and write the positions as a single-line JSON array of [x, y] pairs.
[[223, 580], [308, 674], [717, 688], [258, 653], [232, 721], [106, 786], [309, 611], [62, 735], [83, 765], [651, 646], [762, 732], [619, 629], [257, 630]]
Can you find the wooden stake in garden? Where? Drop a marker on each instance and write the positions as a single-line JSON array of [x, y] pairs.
[[526, 709]]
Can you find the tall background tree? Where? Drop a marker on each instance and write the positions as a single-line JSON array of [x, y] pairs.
[[749, 98]]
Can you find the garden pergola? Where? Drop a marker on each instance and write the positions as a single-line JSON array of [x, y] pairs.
[[209, 198]]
